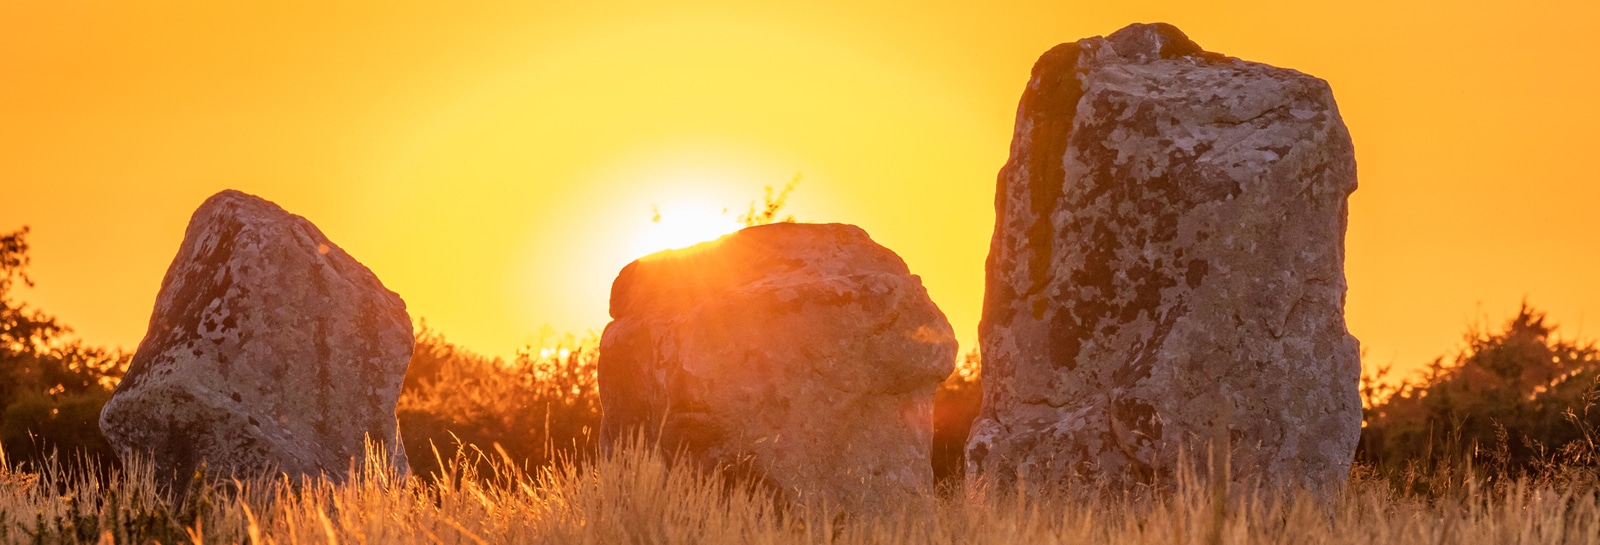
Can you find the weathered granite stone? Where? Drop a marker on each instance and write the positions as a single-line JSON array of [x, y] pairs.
[[803, 355], [270, 349], [1168, 260]]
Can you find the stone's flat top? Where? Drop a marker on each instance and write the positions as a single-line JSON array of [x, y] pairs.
[[753, 254], [1141, 42]]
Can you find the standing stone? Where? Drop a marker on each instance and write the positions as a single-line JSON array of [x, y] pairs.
[[804, 355], [270, 349], [1167, 270]]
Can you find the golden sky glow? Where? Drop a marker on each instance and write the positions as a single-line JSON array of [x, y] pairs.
[[496, 163], [682, 224]]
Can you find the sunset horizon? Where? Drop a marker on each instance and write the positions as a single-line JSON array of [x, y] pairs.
[[845, 272]]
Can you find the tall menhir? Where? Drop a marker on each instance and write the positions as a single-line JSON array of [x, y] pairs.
[[1167, 272], [270, 351]]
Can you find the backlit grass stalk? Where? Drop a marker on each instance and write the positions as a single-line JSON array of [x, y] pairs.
[[634, 496]]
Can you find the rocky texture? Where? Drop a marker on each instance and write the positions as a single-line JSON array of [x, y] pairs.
[[270, 349], [804, 355], [1167, 262]]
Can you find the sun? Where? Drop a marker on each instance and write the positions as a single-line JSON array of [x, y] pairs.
[[684, 225]]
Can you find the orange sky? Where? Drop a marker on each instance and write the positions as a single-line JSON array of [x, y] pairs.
[[496, 163]]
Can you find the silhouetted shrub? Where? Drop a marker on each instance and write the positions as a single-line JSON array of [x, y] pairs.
[[542, 405], [770, 206], [1518, 403]]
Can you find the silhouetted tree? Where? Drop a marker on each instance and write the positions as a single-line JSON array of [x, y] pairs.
[[542, 405], [51, 385], [1515, 403]]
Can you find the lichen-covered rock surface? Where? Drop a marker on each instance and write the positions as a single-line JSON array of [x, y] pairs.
[[270, 350], [1167, 269], [804, 355]]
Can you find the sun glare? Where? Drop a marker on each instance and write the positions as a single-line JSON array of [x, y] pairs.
[[677, 227]]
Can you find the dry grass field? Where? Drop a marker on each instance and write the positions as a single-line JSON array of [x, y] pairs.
[[1498, 444], [634, 497]]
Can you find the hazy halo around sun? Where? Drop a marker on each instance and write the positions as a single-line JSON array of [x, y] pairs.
[[681, 225]]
